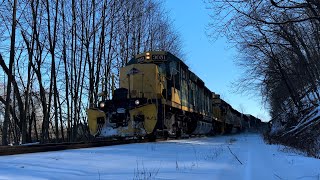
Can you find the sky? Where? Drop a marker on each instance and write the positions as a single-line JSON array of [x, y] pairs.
[[212, 61], [241, 156]]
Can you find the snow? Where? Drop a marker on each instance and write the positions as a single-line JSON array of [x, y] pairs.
[[196, 158]]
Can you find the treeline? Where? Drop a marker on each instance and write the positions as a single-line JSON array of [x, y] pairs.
[[279, 42], [56, 56]]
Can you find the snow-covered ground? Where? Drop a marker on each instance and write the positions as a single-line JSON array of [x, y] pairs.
[[198, 158]]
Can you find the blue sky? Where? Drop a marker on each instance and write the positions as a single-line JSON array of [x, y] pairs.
[[213, 62]]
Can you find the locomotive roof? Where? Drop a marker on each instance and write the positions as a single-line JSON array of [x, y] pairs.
[[158, 57], [155, 57]]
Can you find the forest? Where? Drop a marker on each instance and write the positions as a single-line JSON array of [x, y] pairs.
[[56, 56]]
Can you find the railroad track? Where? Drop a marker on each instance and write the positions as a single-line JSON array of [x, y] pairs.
[[34, 148], [23, 149]]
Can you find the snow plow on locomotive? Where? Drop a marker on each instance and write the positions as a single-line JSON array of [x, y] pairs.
[[159, 96]]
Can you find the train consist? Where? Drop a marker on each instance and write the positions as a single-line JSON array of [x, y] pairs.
[[159, 96]]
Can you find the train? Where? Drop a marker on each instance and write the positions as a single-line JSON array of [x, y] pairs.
[[159, 96]]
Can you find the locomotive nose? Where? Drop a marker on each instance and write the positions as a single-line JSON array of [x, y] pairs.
[[96, 119]]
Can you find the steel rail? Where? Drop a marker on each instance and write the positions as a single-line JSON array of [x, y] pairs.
[[34, 148]]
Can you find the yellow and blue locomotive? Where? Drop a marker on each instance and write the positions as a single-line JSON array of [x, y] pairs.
[[159, 96]]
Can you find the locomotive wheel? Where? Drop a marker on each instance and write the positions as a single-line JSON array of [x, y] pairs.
[[166, 135], [152, 137], [178, 133]]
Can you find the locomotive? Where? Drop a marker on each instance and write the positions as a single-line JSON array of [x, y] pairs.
[[159, 96]]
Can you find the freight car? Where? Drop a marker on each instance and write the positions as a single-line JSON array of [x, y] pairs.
[[159, 96]]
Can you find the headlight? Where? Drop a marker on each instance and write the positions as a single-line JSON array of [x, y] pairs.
[[102, 104], [137, 102]]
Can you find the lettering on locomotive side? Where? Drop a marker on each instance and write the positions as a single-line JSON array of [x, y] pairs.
[[141, 59]]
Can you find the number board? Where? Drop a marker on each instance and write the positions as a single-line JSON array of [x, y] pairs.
[[153, 57], [159, 57]]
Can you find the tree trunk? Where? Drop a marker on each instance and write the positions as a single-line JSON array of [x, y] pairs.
[[11, 62]]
